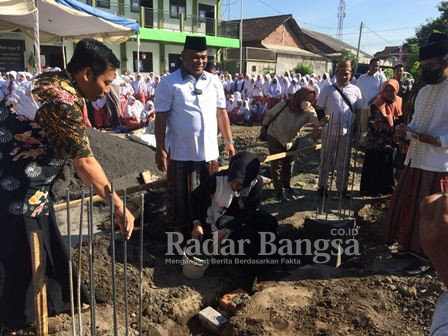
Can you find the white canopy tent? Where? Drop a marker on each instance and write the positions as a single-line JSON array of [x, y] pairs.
[[47, 20]]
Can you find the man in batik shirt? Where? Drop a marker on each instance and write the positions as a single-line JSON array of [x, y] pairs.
[[42, 127]]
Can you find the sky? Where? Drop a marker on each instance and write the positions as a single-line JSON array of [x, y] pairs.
[[392, 20]]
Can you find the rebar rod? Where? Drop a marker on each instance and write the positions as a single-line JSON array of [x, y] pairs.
[[333, 165], [70, 265], [326, 163], [346, 167], [125, 267], [140, 312], [112, 245], [91, 268], [79, 264]]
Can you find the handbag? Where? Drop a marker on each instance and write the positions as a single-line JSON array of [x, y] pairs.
[[264, 128]]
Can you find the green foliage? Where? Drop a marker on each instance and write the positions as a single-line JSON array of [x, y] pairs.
[[388, 73], [347, 55], [422, 33], [303, 69], [412, 62]]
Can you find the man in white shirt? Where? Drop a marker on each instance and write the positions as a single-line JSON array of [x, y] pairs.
[[336, 146], [190, 106], [427, 158], [370, 85]]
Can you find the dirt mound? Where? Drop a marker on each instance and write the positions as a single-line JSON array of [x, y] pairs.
[[122, 160], [369, 295]]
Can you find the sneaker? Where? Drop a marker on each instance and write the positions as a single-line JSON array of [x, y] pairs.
[[281, 196]]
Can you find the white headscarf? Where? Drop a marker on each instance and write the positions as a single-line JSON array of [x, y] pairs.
[[134, 108], [139, 85], [21, 74], [275, 89], [267, 81], [22, 101], [147, 110]]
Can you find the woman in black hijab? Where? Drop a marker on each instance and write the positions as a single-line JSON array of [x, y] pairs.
[[227, 203]]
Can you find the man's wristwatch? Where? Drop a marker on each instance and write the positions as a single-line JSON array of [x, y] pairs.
[[229, 142]]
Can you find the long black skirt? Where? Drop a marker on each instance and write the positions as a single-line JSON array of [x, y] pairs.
[[16, 289], [377, 173]]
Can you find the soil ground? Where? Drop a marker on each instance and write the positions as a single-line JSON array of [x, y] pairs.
[[368, 295]]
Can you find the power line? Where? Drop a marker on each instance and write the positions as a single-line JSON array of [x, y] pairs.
[[382, 30], [267, 5], [313, 25], [230, 3], [379, 36]]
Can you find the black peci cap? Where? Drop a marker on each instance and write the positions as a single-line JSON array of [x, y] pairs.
[[437, 46], [198, 43]]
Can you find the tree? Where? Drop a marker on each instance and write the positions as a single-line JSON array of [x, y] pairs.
[[303, 69], [389, 73], [422, 34], [347, 55]]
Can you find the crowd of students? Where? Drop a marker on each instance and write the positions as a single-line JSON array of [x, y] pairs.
[[249, 98]]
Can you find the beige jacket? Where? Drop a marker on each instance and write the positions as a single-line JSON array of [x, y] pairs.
[[287, 125]]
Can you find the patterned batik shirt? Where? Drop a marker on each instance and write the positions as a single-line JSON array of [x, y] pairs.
[[40, 129]]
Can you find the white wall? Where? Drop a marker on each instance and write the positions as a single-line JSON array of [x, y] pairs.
[[288, 62], [174, 24], [261, 68], [154, 48]]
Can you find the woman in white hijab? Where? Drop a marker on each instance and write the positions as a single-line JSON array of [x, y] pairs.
[[133, 113], [228, 84], [325, 80], [249, 88], [275, 89], [267, 82], [258, 86], [140, 90], [244, 111], [284, 83], [10, 84], [230, 104], [21, 78], [148, 116], [313, 84], [293, 88], [237, 96], [134, 109]]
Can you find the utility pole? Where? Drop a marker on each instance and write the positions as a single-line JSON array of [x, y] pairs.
[[241, 36], [359, 41]]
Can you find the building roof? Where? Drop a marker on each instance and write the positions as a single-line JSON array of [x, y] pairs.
[[291, 51], [332, 44], [257, 29], [388, 51]]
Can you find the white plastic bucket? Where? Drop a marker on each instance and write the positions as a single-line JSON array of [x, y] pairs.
[[193, 267]]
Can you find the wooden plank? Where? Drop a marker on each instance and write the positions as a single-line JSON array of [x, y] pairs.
[[282, 155], [130, 190], [39, 286]]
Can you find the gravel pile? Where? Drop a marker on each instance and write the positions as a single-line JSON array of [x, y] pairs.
[[122, 160]]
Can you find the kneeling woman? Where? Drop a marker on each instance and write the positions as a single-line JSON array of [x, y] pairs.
[[227, 203]]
